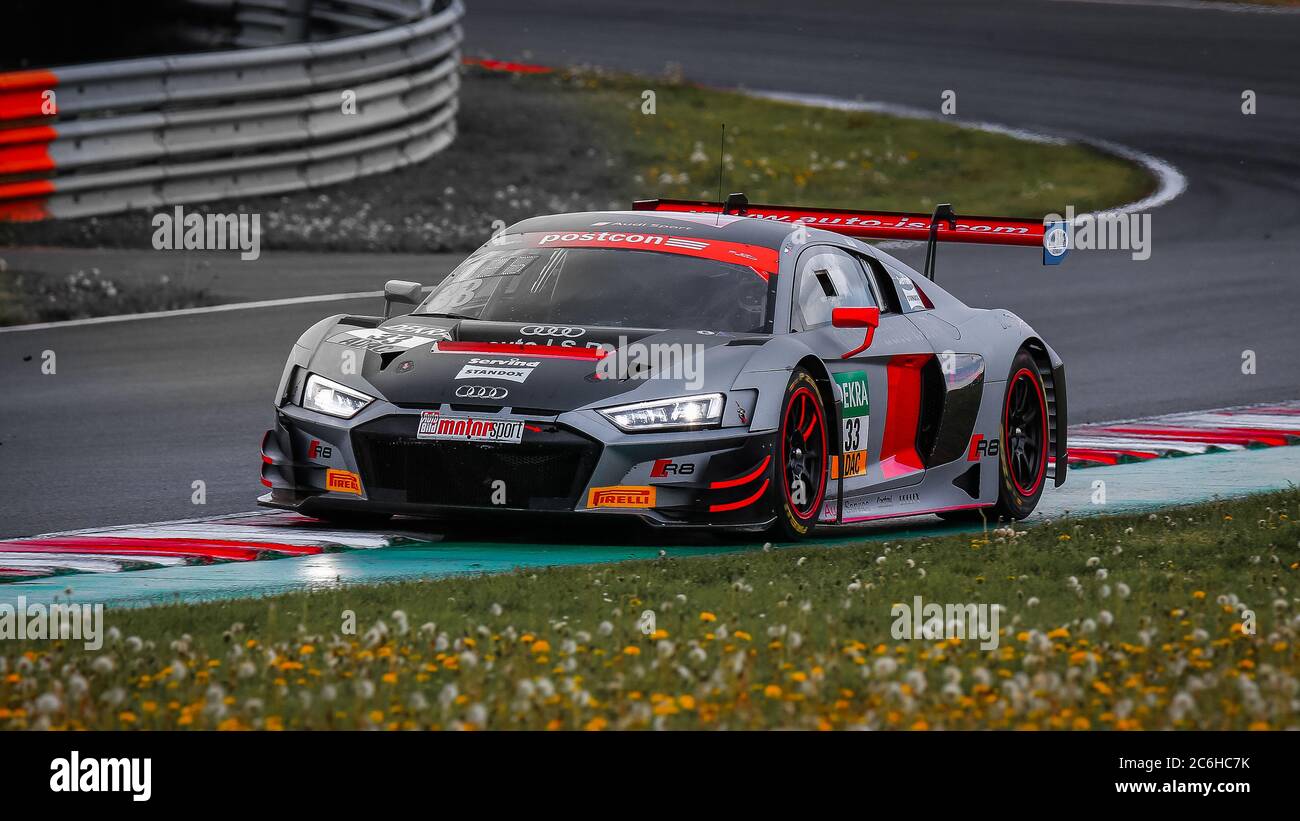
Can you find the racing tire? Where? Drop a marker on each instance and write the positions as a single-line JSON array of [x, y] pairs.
[[1022, 460], [798, 473]]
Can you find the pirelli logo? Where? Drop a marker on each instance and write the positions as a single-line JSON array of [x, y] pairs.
[[342, 481], [625, 496]]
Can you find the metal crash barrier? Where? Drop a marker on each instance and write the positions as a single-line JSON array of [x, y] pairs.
[[378, 94]]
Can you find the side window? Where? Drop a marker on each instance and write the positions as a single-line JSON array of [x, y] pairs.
[[913, 298], [827, 278], [889, 303]]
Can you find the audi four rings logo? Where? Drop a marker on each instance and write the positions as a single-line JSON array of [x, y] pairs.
[[565, 331], [480, 392]]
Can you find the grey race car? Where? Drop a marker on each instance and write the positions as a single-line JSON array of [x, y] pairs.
[[692, 364]]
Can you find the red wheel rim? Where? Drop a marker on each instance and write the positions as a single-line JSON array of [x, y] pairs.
[[803, 450], [1024, 426]]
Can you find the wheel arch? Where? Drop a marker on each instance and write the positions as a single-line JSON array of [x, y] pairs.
[[1051, 371], [822, 376]]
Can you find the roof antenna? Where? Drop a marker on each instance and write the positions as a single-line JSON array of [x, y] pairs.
[[722, 164]]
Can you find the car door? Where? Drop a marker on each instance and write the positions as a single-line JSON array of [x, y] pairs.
[[878, 389]]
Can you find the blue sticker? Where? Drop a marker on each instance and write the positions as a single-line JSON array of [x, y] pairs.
[[1056, 243]]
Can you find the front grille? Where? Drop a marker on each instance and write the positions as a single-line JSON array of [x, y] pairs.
[[547, 471]]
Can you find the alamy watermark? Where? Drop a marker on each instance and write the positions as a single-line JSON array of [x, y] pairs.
[[655, 360], [53, 622], [933, 621], [1106, 231], [128, 775], [179, 231]]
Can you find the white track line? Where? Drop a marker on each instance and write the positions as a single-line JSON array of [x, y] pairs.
[[1248, 8], [208, 309], [1170, 181]]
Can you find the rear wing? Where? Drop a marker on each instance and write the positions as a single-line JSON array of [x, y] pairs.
[[941, 226]]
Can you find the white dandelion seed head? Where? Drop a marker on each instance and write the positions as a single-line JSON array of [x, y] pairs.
[[48, 703], [448, 694]]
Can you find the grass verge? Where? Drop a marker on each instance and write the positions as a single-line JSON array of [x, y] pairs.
[[1125, 622], [531, 145]]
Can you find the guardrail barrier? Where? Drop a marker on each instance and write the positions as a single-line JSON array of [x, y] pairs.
[[286, 110]]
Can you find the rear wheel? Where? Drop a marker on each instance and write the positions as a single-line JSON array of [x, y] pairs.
[[1022, 461], [798, 472]]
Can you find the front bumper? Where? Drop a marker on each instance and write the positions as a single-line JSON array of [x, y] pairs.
[[573, 464]]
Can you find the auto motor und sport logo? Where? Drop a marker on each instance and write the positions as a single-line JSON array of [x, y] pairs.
[[624, 496], [343, 481], [434, 425], [481, 392]]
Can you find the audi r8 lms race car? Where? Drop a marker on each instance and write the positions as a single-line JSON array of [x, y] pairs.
[[693, 364]]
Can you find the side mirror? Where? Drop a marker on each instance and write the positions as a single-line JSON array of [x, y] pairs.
[[399, 291], [868, 318]]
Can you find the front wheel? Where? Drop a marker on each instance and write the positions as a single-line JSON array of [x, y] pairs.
[[798, 472]]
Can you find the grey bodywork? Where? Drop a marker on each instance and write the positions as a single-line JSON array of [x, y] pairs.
[[752, 370]]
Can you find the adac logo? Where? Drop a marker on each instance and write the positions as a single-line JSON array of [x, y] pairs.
[[343, 481], [560, 331], [481, 392], [625, 496]]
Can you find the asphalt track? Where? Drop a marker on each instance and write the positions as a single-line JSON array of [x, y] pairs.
[[138, 411]]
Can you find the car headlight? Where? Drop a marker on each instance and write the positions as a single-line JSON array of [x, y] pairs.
[[330, 397], [682, 413]]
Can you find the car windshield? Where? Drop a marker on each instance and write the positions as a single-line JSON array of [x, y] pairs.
[[606, 287]]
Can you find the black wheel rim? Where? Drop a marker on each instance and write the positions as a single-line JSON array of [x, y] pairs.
[[803, 443], [1026, 432]]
